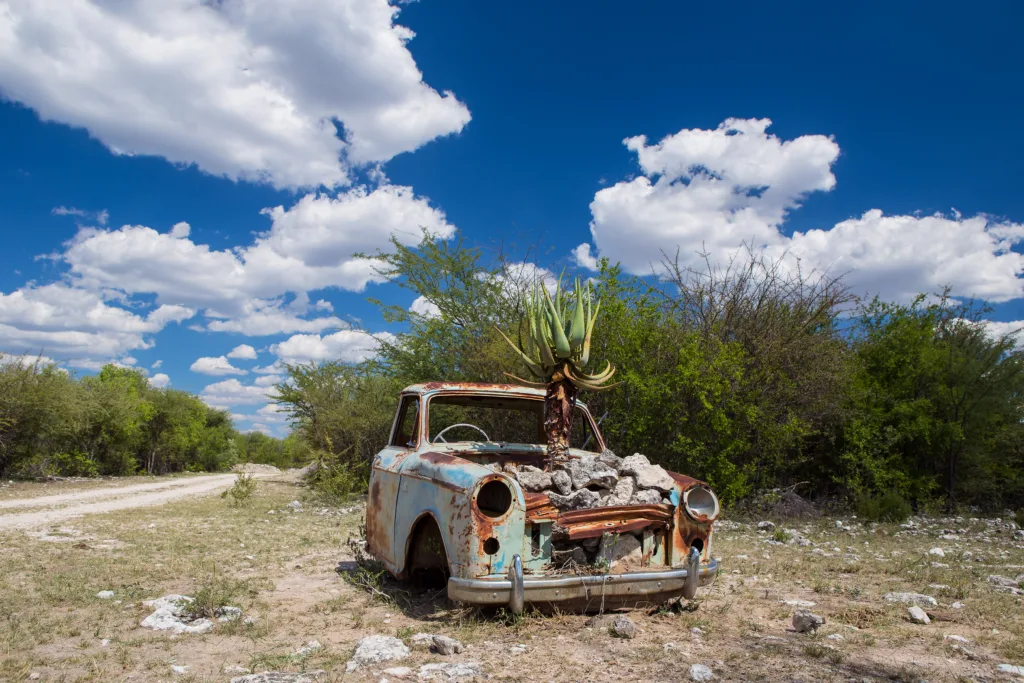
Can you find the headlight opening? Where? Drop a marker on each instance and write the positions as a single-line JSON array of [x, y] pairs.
[[701, 504]]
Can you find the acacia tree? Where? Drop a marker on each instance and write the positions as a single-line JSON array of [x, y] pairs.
[[556, 351]]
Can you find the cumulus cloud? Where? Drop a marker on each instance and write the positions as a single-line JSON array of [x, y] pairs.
[[714, 191], [309, 246], [247, 89], [231, 392], [159, 380], [72, 321], [243, 352], [215, 366], [423, 306], [348, 346], [156, 364], [273, 413]]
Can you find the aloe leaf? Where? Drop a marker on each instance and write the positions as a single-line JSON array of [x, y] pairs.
[[578, 331], [530, 363], [543, 339], [562, 348]]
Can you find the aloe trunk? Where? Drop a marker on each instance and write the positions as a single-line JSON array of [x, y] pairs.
[[556, 351], [559, 408]]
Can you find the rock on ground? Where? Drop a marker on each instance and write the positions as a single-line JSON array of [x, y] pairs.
[[376, 649], [623, 627], [449, 671], [700, 672], [937, 552], [918, 616], [170, 615], [105, 595], [280, 677], [254, 468], [443, 645], [805, 621], [766, 526], [918, 599]]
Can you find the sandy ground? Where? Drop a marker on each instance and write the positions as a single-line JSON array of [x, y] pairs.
[[65, 506]]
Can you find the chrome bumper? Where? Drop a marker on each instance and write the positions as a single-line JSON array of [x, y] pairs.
[[517, 589]]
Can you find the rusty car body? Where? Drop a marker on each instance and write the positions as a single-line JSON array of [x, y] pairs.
[[454, 509]]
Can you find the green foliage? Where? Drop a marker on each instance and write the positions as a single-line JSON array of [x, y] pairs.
[[113, 423], [558, 333], [213, 593], [242, 490], [1019, 519], [781, 535], [887, 507]]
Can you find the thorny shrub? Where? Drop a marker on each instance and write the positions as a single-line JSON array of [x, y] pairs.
[[888, 507], [242, 490]]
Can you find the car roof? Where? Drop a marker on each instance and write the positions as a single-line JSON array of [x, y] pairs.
[[472, 388]]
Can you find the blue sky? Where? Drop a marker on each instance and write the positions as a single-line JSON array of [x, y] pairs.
[[184, 183]]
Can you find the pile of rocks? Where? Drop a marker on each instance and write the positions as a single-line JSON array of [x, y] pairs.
[[600, 481]]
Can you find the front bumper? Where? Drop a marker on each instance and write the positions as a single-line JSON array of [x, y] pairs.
[[604, 589]]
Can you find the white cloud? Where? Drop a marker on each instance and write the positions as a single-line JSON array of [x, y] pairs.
[[100, 217], [159, 380], [273, 413], [348, 346], [156, 364], [715, 190], [26, 359], [424, 307], [67, 321], [268, 380], [215, 366], [1014, 327], [899, 257], [248, 89], [231, 392], [243, 351], [258, 427], [308, 247]]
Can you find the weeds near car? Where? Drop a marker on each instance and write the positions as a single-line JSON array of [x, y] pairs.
[[242, 490], [218, 591], [782, 536]]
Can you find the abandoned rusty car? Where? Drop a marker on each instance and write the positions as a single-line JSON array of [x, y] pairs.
[[463, 491]]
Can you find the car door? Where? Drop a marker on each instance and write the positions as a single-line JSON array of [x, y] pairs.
[[385, 483]]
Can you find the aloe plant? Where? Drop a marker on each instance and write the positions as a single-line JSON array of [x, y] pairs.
[[556, 351]]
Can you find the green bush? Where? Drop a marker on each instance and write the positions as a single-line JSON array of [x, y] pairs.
[[73, 464], [241, 491], [1019, 518], [888, 507], [337, 483]]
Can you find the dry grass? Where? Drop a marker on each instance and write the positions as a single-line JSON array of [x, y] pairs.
[[280, 568]]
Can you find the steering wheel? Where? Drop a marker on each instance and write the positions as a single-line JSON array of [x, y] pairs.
[[460, 424]]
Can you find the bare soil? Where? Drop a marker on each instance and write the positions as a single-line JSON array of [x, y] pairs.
[[280, 568]]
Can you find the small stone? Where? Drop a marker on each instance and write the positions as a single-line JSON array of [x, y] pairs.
[[937, 552], [589, 471], [582, 499], [1002, 581], [835, 636], [280, 677], [561, 480], [798, 603], [956, 639], [517, 649], [911, 599], [648, 497], [533, 479], [766, 526], [398, 672], [376, 649], [227, 613], [295, 505], [622, 493], [443, 645], [34, 676], [180, 670], [609, 458], [309, 648], [623, 627], [105, 642], [918, 616], [449, 671], [701, 672], [1010, 669], [958, 605], [1018, 535], [105, 595], [235, 669], [805, 621]]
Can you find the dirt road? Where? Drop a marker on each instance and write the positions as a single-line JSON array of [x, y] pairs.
[[75, 504]]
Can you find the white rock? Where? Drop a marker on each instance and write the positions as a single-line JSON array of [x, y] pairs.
[[309, 648], [449, 671], [798, 603], [700, 672], [956, 639], [918, 616], [911, 599], [1010, 669], [835, 636], [295, 505], [622, 493], [766, 526], [443, 645], [398, 672], [937, 552], [804, 621], [958, 605], [105, 595], [376, 649], [227, 613], [105, 642], [533, 479], [179, 669]]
